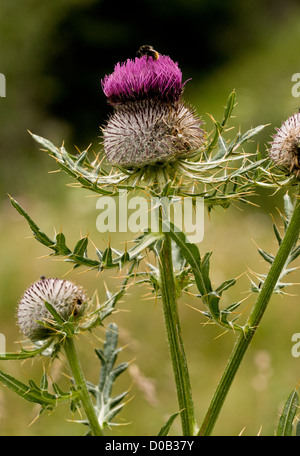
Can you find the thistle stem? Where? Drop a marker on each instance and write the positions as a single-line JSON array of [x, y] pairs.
[[86, 401], [243, 341], [173, 330]]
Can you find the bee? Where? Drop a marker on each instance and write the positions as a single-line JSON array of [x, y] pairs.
[[147, 50]]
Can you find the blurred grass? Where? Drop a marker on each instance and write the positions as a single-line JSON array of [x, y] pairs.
[[262, 78]]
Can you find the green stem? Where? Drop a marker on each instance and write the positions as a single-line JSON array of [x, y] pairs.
[[173, 330], [243, 342], [75, 366]]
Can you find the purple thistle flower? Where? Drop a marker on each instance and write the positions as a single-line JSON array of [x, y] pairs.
[[150, 123], [143, 78], [285, 147]]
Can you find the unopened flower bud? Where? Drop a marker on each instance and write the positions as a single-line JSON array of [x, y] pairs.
[[64, 296]]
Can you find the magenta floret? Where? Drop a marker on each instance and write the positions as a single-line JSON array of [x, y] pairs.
[[144, 78]]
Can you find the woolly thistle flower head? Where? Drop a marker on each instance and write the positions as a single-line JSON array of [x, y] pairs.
[[66, 298], [285, 147], [150, 123]]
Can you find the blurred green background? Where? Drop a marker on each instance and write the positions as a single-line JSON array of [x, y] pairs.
[[53, 55]]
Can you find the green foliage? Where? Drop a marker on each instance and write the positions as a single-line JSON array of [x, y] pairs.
[[269, 258], [201, 268], [109, 258], [286, 421], [166, 428], [25, 354], [38, 394], [107, 406]]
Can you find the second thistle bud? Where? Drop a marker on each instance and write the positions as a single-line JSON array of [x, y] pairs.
[[35, 321], [285, 147]]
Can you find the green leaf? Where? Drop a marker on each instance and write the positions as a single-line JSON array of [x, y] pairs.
[[229, 108], [201, 273], [277, 234], [81, 158], [225, 285], [205, 266], [250, 133], [295, 253], [79, 256], [285, 426], [44, 382], [297, 433], [107, 258], [57, 317], [81, 247], [223, 150], [288, 206], [32, 392], [38, 234], [47, 144], [145, 241], [219, 127], [108, 406], [62, 249], [165, 429], [25, 354], [266, 256], [192, 255]]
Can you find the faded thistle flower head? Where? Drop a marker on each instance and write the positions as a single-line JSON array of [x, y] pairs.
[[35, 321], [285, 147], [150, 123]]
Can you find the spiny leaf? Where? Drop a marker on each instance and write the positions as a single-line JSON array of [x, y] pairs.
[[220, 126], [38, 234], [107, 258], [79, 255], [266, 256], [192, 256], [225, 285], [200, 269], [62, 248], [250, 133], [26, 354], [47, 144], [222, 152], [277, 234], [229, 108], [81, 247], [295, 253], [32, 392], [44, 382], [107, 406]]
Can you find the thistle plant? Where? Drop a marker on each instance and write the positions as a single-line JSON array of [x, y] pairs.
[[156, 144]]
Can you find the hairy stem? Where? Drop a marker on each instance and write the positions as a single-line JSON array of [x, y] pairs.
[[173, 330], [243, 342], [85, 397]]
